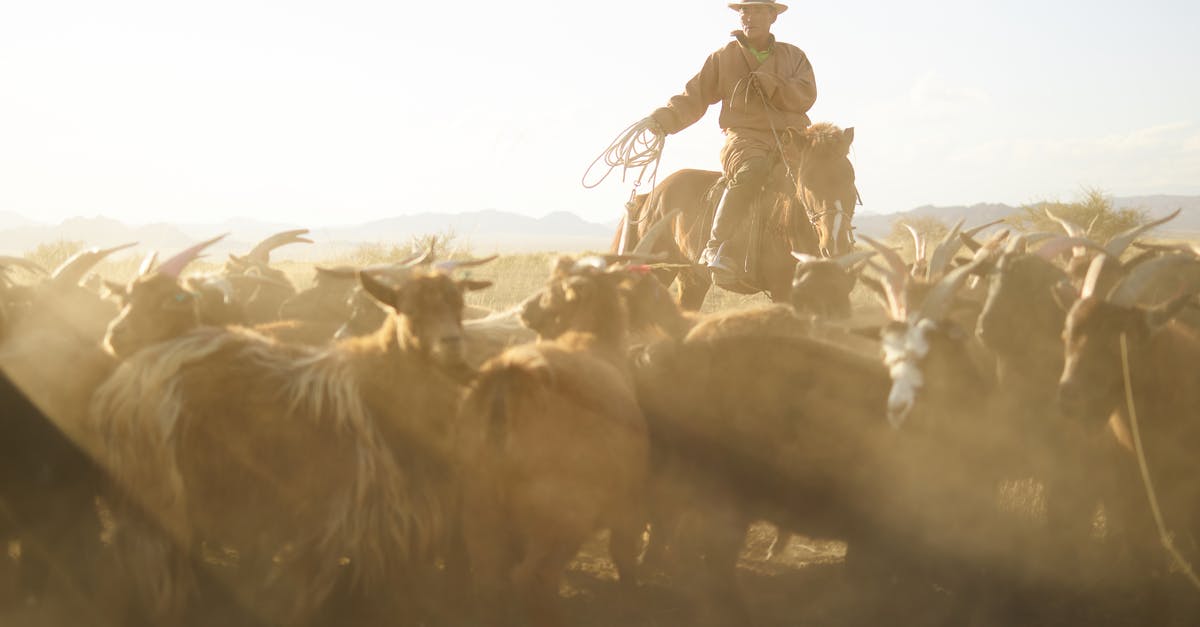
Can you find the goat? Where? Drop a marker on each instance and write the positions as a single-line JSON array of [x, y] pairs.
[[1163, 357], [50, 480], [555, 443], [259, 289], [327, 470], [821, 287], [49, 365], [485, 336], [326, 299]]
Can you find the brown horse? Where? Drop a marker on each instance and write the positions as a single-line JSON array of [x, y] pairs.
[[812, 216]]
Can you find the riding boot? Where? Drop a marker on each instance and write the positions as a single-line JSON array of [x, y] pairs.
[[744, 188]]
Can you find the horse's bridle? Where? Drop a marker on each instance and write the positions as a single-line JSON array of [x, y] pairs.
[[841, 215]]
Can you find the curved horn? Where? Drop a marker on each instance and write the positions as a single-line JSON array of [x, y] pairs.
[[895, 263], [895, 281], [975, 230], [970, 242], [937, 303], [650, 238], [1072, 229], [262, 251], [148, 262], [919, 244], [337, 272], [1038, 236], [73, 269], [1179, 247], [1059, 245], [1131, 288], [21, 262], [452, 265], [849, 260], [944, 252], [1119, 242], [174, 266], [1092, 281], [424, 257]]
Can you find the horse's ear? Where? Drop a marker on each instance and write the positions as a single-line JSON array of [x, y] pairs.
[[848, 137]]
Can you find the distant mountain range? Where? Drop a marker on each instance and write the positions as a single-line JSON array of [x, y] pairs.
[[481, 231], [1186, 225]]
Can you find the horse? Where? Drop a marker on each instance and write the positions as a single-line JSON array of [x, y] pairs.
[[811, 215]]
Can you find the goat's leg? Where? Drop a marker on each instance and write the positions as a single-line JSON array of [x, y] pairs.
[[536, 579], [489, 551], [779, 544], [718, 535], [693, 287], [624, 544]]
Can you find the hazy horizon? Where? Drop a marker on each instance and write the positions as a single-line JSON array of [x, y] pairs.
[[146, 112]]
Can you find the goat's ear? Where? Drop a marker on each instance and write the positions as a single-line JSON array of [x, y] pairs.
[[378, 290], [472, 285], [562, 266], [848, 137], [1157, 317], [1064, 295]]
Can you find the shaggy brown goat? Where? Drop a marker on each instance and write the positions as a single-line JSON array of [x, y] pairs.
[[554, 446], [328, 298], [1163, 359], [328, 471]]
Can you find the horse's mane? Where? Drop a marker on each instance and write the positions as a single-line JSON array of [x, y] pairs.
[[826, 140]]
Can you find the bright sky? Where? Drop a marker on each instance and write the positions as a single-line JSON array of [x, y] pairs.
[[340, 112]]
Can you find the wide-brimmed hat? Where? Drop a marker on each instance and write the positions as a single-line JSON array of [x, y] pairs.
[[778, 6]]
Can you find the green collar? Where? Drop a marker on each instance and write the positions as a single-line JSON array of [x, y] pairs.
[[760, 55]]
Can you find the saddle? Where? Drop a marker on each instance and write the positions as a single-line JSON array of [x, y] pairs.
[[746, 244]]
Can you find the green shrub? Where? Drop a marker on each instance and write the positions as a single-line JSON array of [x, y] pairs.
[[1093, 208]]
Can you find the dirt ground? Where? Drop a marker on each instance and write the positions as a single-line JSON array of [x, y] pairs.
[[804, 584]]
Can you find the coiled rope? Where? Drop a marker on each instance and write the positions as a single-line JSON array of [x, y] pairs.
[[638, 147], [1164, 536]]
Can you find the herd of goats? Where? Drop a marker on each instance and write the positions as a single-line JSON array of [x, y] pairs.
[[222, 449]]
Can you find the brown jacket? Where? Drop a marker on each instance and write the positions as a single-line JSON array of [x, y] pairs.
[[725, 71]]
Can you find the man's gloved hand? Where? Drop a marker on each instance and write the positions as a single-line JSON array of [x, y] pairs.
[[765, 82], [653, 126]]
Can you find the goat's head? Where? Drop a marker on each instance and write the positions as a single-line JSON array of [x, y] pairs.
[[821, 287], [428, 304], [155, 306], [603, 294], [327, 300], [1091, 385], [925, 352], [583, 296], [1026, 302]]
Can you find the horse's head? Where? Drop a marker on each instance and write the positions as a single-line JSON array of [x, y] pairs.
[[825, 181]]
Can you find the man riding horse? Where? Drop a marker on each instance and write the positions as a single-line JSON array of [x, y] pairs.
[[764, 87]]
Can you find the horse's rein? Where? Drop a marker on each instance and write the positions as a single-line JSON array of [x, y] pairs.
[[813, 217]]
